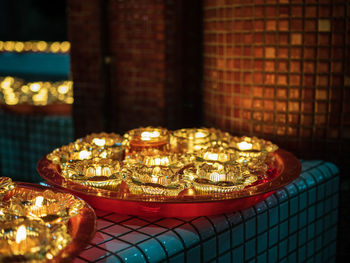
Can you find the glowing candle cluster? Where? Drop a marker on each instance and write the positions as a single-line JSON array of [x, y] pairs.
[[15, 91], [34, 46], [33, 224], [156, 161]]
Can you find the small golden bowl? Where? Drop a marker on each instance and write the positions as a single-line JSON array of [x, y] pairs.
[[190, 140]]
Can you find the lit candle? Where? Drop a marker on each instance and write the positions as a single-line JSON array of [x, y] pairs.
[[190, 140], [83, 155], [244, 146], [149, 137], [99, 142]]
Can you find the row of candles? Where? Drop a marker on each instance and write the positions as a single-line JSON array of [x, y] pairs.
[[15, 91], [34, 224], [156, 161]]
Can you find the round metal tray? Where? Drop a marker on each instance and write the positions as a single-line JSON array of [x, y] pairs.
[[82, 226], [287, 169]]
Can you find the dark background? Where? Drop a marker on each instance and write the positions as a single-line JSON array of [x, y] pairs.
[[22, 20]]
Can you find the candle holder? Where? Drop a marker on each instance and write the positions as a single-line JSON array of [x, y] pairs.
[[190, 140], [6, 185], [97, 172], [154, 180], [23, 240], [210, 177], [146, 138], [95, 145], [40, 225]]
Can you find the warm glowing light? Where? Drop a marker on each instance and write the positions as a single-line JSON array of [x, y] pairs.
[[21, 234], [158, 161], [39, 201], [55, 47], [42, 45], [9, 46], [19, 46], [211, 156], [147, 136], [217, 177], [84, 155], [63, 89], [244, 146], [99, 142], [200, 135], [65, 46], [35, 87]]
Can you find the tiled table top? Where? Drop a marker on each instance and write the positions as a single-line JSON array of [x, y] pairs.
[[297, 222]]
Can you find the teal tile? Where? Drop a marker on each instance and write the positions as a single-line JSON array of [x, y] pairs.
[[250, 228], [302, 219], [260, 207], [310, 231], [300, 184], [293, 224], [319, 226], [188, 234], [248, 213], [284, 211], [318, 242], [235, 218], [273, 236], [292, 257], [132, 255], [310, 248], [262, 242], [272, 256], [318, 175], [291, 190], [209, 249], [224, 242], [320, 192], [180, 258], [318, 257], [237, 255], [302, 201], [327, 205], [271, 201], [283, 229], [225, 258], [319, 210], [302, 234], [262, 258], [312, 196], [309, 180], [262, 222], [292, 243], [153, 250], [282, 248], [220, 223], [302, 254], [171, 242], [273, 216], [294, 205], [204, 227], [237, 235], [250, 250], [311, 214], [281, 195], [194, 254]]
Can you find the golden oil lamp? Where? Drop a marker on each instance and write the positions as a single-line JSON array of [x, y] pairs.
[[97, 172], [248, 149], [6, 185], [23, 240], [146, 138], [215, 177], [190, 140], [154, 180]]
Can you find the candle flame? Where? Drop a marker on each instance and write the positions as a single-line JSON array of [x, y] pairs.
[[39, 201], [21, 234], [200, 135], [211, 156], [244, 146], [146, 136], [99, 142], [84, 155]]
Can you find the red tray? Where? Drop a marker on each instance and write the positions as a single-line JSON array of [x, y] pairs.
[[82, 226], [287, 170]]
